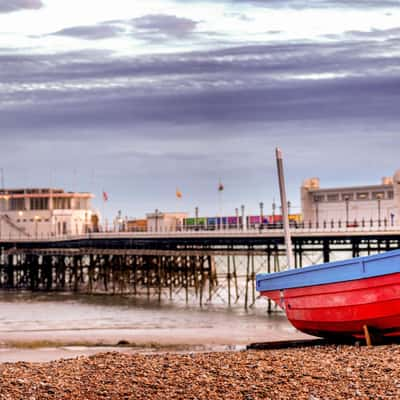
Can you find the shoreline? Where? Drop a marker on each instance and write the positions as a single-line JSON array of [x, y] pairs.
[[53, 345]]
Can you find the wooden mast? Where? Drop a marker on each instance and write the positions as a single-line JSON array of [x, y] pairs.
[[285, 215]]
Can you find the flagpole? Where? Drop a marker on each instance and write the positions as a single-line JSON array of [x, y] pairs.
[[220, 207]]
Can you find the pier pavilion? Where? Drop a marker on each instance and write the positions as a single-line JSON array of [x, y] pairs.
[[44, 213], [372, 205]]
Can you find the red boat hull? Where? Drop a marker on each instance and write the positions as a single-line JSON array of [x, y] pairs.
[[342, 309]]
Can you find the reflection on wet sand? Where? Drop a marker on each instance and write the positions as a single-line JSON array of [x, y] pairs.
[[46, 326]]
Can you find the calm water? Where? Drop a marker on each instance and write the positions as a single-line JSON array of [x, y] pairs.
[[74, 323]]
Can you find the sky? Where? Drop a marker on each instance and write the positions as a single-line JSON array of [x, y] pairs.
[[139, 98]]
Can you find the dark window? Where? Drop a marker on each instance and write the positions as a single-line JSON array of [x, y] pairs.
[[333, 197], [16, 204], [318, 198], [41, 203]]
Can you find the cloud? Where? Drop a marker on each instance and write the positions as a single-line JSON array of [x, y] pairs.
[[151, 28], [374, 33], [7, 6], [92, 32], [309, 81], [163, 25], [303, 4]]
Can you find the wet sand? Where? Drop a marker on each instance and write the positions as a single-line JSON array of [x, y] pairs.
[[330, 372], [48, 327]]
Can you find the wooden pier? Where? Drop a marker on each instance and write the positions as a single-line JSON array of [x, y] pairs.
[[202, 268]]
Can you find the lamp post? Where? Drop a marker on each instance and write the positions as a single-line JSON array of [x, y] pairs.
[[36, 225], [316, 212], [273, 211], [347, 199], [237, 218], [379, 198], [196, 218], [243, 217], [261, 212], [156, 217]]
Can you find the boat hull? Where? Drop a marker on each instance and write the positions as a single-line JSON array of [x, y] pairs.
[[343, 308]]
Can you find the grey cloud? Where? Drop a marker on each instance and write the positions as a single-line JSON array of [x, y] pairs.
[[151, 28], [375, 33], [7, 6], [164, 25], [372, 34], [301, 4], [229, 86], [92, 32], [246, 65], [312, 100]]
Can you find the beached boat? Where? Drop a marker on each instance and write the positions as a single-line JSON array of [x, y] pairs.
[[340, 298], [350, 298]]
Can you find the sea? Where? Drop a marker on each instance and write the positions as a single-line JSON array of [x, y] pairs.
[[38, 327]]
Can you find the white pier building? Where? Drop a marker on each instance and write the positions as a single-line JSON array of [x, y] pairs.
[[45, 213], [373, 205]]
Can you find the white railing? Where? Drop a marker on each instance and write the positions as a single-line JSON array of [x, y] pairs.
[[201, 232]]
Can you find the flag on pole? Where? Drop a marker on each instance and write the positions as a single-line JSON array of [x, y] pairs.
[[105, 196], [178, 194]]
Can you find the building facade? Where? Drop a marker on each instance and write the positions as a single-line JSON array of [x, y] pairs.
[[165, 221], [373, 205], [42, 213]]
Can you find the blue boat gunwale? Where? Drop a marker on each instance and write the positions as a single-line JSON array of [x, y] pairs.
[[332, 272]]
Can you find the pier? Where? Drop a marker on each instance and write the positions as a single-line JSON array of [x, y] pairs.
[[201, 267]]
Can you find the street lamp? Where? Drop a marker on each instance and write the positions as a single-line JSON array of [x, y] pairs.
[[273, 211], [36, 225], [347, 199], [316, 200], [243, 219], [196, 218], [261, 212], [379, 198], [237, 217], [156, 215]]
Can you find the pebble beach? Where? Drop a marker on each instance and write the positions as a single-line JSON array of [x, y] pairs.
[[312, 373]]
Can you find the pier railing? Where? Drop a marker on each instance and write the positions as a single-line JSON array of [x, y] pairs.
[[221, 232]]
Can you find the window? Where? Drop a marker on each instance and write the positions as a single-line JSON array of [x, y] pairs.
[[347, 196], [40, 203], [333, 197], [378, 195], [17, 204], [390, 194], [362, 196], [61, 203], [318, 197]]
